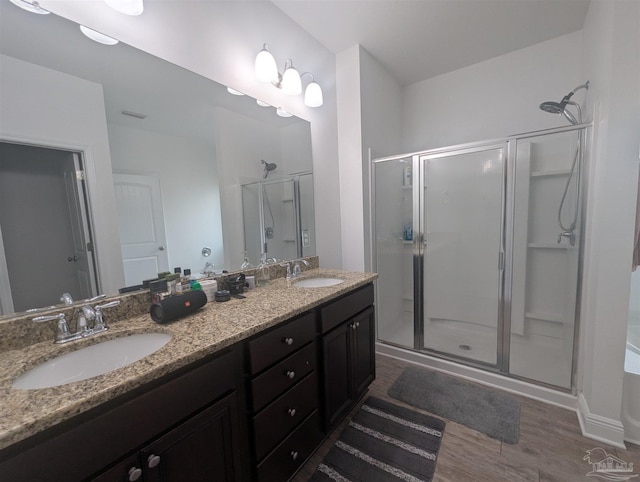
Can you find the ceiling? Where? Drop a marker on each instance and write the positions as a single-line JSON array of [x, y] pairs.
[[419, 39]]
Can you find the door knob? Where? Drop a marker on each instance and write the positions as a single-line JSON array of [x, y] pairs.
[[161, 248]]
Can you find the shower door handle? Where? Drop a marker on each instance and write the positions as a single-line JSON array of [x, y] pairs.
[[501, 261]]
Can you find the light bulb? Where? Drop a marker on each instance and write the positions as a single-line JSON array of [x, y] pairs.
[[128, 7], [313, 95], [266, 68], [97, 36], [291, 82]]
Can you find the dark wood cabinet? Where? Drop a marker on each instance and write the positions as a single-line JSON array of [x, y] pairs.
[[189, 419], [348, 353], [283, 406]]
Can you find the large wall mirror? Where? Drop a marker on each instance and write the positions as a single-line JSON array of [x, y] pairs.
[[199, 176]]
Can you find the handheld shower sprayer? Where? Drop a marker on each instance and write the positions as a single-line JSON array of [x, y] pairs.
[[561, 107], [268, 167]]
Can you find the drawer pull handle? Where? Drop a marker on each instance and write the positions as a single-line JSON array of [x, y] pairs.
[[292, 412], [291, 374], [134, 474], [153, 461], [294, 454], [288, 340]]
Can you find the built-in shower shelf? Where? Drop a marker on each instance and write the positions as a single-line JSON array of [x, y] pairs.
[[545, 317], [560, 172], [548, 246]]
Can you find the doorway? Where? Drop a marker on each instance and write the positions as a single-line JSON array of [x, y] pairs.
[[46, 245]]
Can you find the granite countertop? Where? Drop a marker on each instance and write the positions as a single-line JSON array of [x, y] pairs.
[[216, 326]]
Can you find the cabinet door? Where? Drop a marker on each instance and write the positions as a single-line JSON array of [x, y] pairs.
[[337, 373], [204, 448], [363, 360]]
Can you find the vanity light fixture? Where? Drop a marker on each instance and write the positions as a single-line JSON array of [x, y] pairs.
[[128, 7], [283, 113], [234, 91], [97, 36], [290, 82], [33, 7], [262, 103]]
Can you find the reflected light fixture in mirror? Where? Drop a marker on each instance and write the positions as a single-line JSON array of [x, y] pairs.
[[128, 7], [32, 7], [234, 91], [283, 113], [290, 82], [97, 36]]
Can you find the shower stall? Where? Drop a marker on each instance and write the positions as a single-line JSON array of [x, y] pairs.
[[478, 248], [278, 217]]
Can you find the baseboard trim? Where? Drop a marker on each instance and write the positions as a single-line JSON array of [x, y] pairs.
[[596, 427]]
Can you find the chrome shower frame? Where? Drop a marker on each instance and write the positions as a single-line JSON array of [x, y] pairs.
[[507, 247]]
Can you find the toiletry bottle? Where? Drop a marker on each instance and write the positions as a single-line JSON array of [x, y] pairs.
[[178, 271], [246, 264], [263, 276], [186, 280], [172, 281]]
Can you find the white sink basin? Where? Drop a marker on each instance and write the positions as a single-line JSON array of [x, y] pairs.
[[317, 282], [92, 361]]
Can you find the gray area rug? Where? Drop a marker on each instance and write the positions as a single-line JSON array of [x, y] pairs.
[[384, 442], [488, 411]]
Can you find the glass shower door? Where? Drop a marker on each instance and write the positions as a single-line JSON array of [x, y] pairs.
[[394, 250], [462, 222]]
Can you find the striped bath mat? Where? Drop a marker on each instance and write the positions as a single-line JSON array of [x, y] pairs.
[[384, 442]]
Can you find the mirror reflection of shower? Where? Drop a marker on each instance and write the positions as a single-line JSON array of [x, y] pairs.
[[268, 167], [562, 108]]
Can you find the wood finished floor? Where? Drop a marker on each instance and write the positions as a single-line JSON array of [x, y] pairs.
[[551, 447]]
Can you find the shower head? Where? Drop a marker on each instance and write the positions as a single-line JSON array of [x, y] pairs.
[[268, 167], [561, 107]]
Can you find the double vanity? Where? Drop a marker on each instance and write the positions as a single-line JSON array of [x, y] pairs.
[[242, 390]]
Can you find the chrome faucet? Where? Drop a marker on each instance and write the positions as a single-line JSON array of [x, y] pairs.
[[87, 313], [297, 271]]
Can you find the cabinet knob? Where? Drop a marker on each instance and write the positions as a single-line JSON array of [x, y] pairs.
[[294, 454], [291, 374], [134, 474], [292, 412], [153, 461], [353, 325], [288, 340], [357, 324]]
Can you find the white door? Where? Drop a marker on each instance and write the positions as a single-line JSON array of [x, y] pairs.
[[82, 255], [141, 222]]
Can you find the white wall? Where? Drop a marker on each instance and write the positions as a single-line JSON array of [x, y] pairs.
[[33, 101], [220, 40], [492, 99], [612, 62], [188, 175]]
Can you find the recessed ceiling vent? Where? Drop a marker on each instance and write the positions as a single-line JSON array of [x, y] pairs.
[[137, 115]]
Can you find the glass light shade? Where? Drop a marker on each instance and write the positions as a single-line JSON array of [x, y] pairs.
[[313, 95], [283, 113], [30, 7], [291, 82], [234, 91], [266, 68], [262, 103], [128, 7], [97, 36]]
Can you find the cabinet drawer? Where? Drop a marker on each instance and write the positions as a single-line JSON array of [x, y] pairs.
[[292, 452], [279, 418], [278, 343], [285, 374], [344, 308]]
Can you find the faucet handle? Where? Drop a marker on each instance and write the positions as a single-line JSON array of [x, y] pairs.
[[66, 298], [63, 333], [99, 324], [288, 266]]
